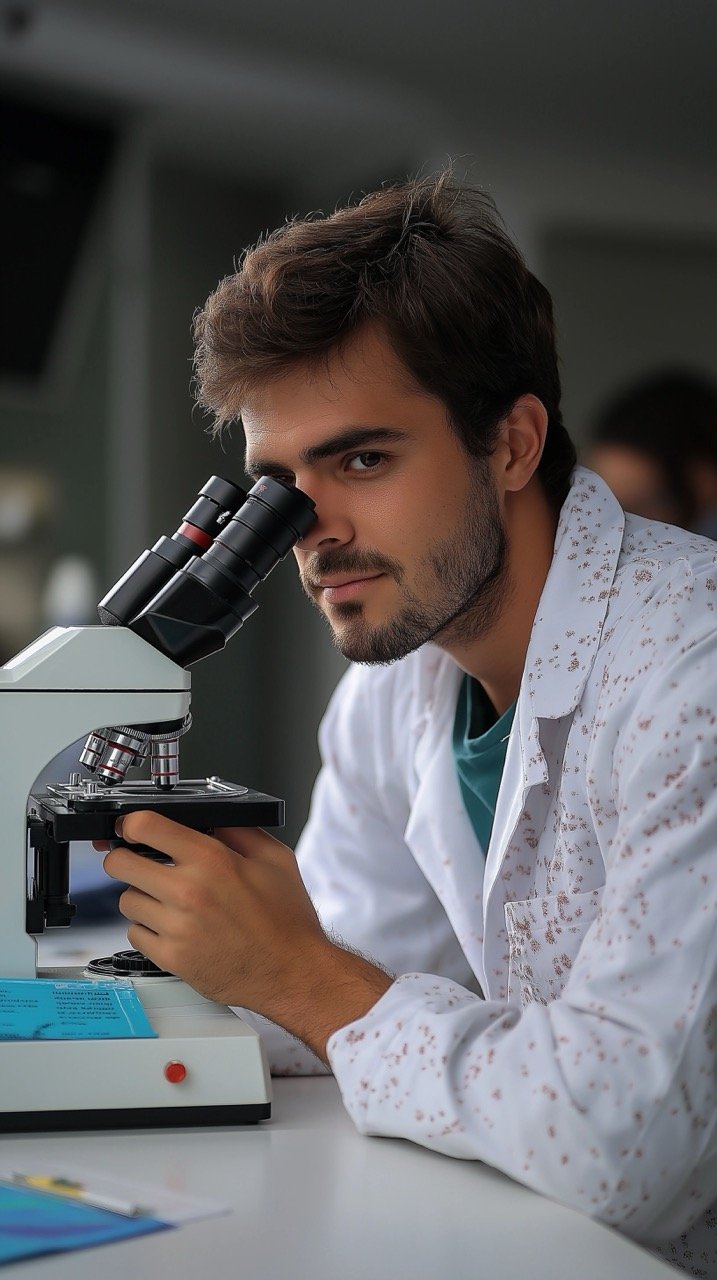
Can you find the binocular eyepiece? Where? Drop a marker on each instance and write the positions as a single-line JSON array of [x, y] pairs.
[[190, 593]]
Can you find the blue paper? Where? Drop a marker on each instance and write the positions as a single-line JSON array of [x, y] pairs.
[[32, 1223], [52, 1009]]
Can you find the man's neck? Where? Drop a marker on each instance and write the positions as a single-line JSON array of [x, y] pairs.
[[497, 659]]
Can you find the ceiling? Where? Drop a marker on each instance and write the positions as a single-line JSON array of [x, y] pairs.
[[322, 80]]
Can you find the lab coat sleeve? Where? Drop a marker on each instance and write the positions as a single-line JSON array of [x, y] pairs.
[[367, 889], [605, 1098]]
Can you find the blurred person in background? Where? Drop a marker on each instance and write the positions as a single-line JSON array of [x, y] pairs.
[[655, 445]]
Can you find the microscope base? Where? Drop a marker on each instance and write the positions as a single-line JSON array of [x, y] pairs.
[[105, 1084], [131, 1118]]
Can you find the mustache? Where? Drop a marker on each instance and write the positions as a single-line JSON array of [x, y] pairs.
[[323, 563]]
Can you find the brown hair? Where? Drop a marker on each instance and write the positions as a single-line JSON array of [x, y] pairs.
[[431, 262]]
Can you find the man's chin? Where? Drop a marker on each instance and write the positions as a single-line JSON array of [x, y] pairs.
[[368, 658], [372, 647]]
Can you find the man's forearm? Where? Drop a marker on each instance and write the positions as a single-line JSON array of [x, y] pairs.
[[232, 918], [336, 987]]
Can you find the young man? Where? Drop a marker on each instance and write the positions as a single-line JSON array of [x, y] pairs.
[[519, 818]]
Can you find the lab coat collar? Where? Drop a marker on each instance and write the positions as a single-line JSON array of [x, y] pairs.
[[573, 605], [559, 658], [563, 645], [576, 595]]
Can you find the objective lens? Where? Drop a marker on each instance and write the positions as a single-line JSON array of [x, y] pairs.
[[124, 748], [208, 600], [217, 501], [94, 749]]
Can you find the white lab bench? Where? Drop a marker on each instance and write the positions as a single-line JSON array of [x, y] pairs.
[[312, 1199]]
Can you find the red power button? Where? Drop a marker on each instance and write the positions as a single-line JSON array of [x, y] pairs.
[[175, 1072]]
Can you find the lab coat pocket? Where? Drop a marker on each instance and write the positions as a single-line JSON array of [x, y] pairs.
[[545, 935]]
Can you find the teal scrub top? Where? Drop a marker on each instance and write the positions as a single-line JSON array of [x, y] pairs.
[[480, 743]]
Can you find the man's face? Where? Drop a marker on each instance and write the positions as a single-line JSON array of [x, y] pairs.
[[409, 545]]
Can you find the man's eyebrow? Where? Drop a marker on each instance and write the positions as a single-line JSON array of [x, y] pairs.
[[350, 438]]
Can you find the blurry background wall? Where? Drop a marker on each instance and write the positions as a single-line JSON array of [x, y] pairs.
[[590, 123]]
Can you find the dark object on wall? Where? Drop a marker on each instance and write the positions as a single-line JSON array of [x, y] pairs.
[[52, 166]]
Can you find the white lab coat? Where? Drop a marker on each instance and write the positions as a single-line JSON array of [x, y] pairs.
[[556, 1015]]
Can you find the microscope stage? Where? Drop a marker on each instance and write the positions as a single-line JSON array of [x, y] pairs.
[[77, 813]]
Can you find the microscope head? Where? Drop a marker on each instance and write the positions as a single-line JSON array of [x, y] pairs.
[[188, 595], [206, 602]]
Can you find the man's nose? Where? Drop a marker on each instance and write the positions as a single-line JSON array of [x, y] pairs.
[[332, 523]]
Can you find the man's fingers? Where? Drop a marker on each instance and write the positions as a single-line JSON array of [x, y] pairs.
[[147, 827], [143, 873], [145, 941], [139, 908], [185, 845], [251, 842]]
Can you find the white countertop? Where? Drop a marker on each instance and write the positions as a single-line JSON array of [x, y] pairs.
[[311, 1198]]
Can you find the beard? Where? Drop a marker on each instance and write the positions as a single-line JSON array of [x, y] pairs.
[[460, 586]]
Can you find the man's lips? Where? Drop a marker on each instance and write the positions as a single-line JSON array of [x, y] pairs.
[[344, 586]]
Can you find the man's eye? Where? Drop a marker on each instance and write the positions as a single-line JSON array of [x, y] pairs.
[[368, 461]]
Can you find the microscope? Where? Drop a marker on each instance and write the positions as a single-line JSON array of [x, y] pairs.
[[124, 686]]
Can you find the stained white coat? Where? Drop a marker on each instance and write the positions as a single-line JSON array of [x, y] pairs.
[[556, 1009]]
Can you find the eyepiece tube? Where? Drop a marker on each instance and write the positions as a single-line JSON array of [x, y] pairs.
[[217, 501], [209, 598]]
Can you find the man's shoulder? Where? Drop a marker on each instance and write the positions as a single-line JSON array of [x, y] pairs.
[[403, 690], [379, 714], [663, 600], [661, 559], [420, 670], [665, 545]]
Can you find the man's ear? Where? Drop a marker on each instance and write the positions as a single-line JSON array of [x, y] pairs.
[[520, 444]]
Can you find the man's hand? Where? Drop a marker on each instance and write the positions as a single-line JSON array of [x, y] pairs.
[[232, 918]]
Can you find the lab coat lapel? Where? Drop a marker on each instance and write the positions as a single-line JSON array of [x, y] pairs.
[[439, 831], [563, 644], [525, 767]]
